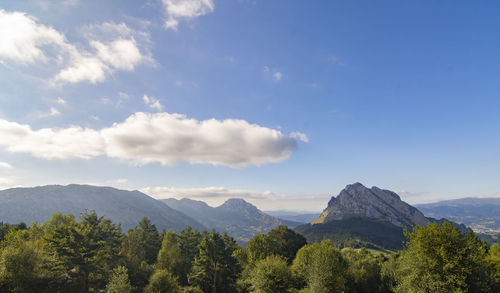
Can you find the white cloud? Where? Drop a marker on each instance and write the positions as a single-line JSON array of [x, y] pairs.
[[106, 101], [265, 200], [205, 192], [299, 135], [185, 9], [171, 138], [52, 112], [61, 101], [111, 47], [120, 54], [162, 137], [152, 103], [277, 76], [50, 143], [7, 182], [83, 69], [22, 38], [4, 165]]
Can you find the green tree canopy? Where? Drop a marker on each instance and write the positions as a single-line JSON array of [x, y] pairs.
[[162, 281], [119, 282], [169, 256], [215, 269], [87, 249], [271, 275], [321, 267], [438, 258]]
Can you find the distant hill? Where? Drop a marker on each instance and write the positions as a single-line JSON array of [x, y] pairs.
[[366, 217], [124, 207], [481, 214], [296, 216], [237, 217]]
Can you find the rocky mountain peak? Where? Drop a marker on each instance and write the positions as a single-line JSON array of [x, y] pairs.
[[237, 204], [356, 200]]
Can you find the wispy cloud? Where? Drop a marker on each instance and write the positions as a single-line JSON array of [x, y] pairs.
[[152, 103], [162, 137], [216, 195], [4, 165], [334, 59], [61, 101], [277, 76], [52, 112], [299, 135], [111, 47], [185, 9]]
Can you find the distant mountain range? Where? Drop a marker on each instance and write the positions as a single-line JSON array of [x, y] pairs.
[[124, 207], [300, 217], [239, 218], [481, 214], [358, 216], [369, 217]]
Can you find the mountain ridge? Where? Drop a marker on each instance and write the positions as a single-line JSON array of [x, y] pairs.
[[239, 218], [37, 204]]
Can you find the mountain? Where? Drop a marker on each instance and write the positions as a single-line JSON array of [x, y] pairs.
[[300, 217], [357, 200], [481, 214], [364, 217], [124, 207], [237, 217]]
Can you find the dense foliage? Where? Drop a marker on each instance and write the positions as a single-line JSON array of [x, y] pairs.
[[91, 254]]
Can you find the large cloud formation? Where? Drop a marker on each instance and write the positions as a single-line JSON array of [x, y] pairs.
[[25, 41], [162, 137]]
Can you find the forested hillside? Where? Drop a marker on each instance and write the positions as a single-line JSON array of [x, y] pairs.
[[92, 254]]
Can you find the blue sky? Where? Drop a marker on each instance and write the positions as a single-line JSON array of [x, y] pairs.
[[271, 101]]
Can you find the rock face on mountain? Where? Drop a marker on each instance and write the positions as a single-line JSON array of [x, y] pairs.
[[237, 217], [364, 217], [356, 200], [121, 206]]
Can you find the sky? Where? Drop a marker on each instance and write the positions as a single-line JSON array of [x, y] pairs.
[[280, 102]]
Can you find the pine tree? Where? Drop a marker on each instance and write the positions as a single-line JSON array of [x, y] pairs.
[[119, 282]]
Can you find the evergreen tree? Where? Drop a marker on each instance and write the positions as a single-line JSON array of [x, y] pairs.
[[132, 254], [150, 238], [169, 256], [215, 269], [119, 282], [87, 250], [189, 240]]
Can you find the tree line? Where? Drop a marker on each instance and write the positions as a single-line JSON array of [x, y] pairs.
[[92, 254]]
